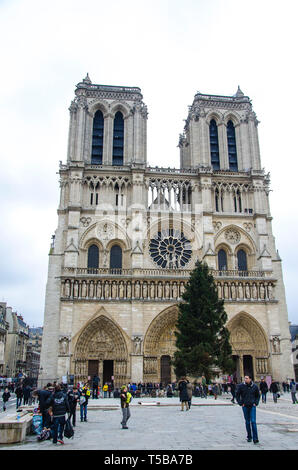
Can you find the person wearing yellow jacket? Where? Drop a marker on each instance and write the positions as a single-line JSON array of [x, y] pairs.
[[105, 389], [125, 399]]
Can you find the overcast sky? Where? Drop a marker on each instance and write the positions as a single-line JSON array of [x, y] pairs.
[[170, 49]]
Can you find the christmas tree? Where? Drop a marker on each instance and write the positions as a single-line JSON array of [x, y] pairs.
[[202, 340]]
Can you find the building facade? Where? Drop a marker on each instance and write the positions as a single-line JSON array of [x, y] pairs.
[[16, 346], [3, 336], [129, 234]]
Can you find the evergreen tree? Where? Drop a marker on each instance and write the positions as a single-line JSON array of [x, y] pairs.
[[202, 340]]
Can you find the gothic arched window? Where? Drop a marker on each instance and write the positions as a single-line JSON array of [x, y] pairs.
[[116, 257], [214, 147], [222, 260], [118, 139], [232, 150], [97, 138], [93, 256], [242, 260]]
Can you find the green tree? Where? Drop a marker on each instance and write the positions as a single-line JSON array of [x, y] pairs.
[[202, 340]]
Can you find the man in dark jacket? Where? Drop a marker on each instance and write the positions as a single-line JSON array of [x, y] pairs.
[[73, 397], [263, 390], [274, 390], [59, 407], [248, 397], [183, 395], [43, 396], [19, 395]]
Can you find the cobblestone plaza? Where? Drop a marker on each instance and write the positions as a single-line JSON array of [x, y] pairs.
[[209, 425]]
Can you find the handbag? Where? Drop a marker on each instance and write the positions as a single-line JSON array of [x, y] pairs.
[[82, 400], [68, 430]]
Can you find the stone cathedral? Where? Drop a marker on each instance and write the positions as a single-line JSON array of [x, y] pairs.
[[129, 234]]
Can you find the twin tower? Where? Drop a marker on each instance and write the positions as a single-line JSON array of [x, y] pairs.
[[129, 235]]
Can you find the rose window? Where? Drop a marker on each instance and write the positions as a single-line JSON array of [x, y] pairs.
[[170, 249]]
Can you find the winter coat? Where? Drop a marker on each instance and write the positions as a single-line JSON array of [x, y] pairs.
[[293, 387], [189, 390], [43, 396], [19, 392], [247, 395], [59, 403], [6, 396], [274, 387], [182, 387], [263, 387]]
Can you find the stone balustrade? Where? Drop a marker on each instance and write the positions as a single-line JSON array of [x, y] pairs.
[[159, 285]]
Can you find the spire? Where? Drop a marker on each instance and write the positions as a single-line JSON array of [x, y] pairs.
[[87, 80], [239, 93]]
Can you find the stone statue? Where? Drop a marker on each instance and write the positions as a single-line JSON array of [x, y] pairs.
[[137, 290], [160, 290], [114, 290], [145, 290], [240, 291], [276, 344], [137, 345], [175, 291], [247, 291], [121, 290], [152, 290], [67, 289], [107, 290], [128, 293]]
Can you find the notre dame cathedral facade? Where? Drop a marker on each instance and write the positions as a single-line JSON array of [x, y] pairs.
[[129, 234]]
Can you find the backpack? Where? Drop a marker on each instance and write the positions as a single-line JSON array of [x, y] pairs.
[[68, 429]]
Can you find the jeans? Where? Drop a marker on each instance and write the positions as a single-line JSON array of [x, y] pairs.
[[264, 397], [294, 399], [83, 412], [250, 422], [58, 428], [125, 416], [19, 402]]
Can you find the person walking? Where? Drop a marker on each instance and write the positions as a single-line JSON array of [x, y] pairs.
[[248, 397], [204, 386], [26, 394], [84, 395], [274, 390], [5, 398], [183, 395], [43, 396], [293, 391], [189, 393], [233, 390], [263, 389], [59, 406], [95, 384], [125, 399], [19, 395], [215, 390], [73, 397]]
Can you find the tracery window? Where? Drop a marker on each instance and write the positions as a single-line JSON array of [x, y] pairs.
[[118, 139], [242, 260], [93, 256], [97, 138], [170, 249], [214, 147], [116, 257], [222, 260], [232, 150]]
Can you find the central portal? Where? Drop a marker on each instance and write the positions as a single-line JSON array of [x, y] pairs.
[[108, 371]]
